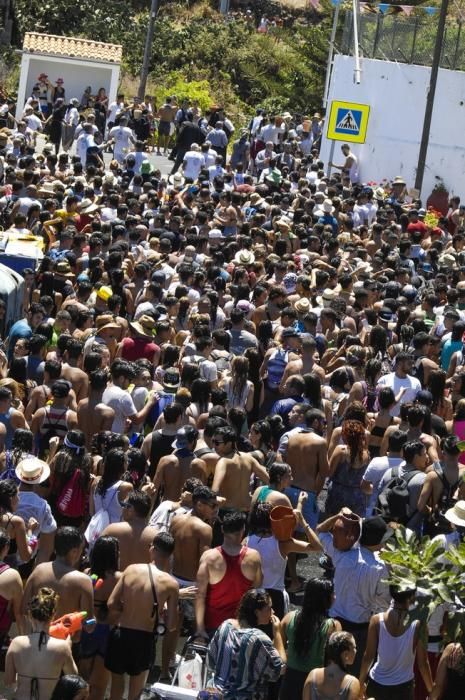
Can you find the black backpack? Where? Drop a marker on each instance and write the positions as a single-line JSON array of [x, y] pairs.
[[394, 499]]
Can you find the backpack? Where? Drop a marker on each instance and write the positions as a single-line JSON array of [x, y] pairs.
[[446, 500], [72, 500], [370, 398], [394, 499], [222, 362], [418, 370], [276, 366], [337, 419]]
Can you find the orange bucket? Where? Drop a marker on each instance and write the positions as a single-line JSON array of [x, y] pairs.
[[283, 522]]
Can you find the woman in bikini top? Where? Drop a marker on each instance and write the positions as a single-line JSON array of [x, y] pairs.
[[34, 662]]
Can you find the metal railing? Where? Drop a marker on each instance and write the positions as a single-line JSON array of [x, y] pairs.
[[405, 39]]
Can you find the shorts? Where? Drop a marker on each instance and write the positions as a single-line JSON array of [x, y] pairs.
[[310, 509], [402, 691], [187, 605], [164, 128], [129, 651], [95, 643]]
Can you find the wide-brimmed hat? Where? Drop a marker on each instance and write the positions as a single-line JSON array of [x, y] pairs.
[[59, 81], [317, 115], [177, 180], [46, 189], [302, 306], [256, 199], [283, 222], [87, 206], [244, 257], [456, 514], [32, 470], [327, 296], [106, 322], [144, 326], [42, 76], [63, 268], [399, 180]]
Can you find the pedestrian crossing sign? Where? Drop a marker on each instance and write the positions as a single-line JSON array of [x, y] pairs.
[[348, 121]]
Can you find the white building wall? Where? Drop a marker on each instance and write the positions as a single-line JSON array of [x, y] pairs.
[[396, 93], [77, 75]]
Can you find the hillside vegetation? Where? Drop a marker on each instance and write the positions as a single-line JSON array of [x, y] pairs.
[[197, 54]]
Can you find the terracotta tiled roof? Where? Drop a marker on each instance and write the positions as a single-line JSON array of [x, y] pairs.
[[72, 47]]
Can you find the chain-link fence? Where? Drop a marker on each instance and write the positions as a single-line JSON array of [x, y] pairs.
[[405, 39]]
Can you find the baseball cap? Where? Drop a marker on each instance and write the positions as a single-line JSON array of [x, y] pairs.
[[184, 436]]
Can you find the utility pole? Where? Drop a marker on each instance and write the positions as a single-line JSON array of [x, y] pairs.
[[331, 53], [144, 73], [430, 98]]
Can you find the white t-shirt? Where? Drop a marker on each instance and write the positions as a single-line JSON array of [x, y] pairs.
[[140, 157], [33, 122], [193, 162], [122, 136], [208, 369], [209, 157], [412, 384], [271, 132], [374, 473], [122, 404]]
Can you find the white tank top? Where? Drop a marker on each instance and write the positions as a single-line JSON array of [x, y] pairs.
[[396, 656], [273, 562], [109, 502]]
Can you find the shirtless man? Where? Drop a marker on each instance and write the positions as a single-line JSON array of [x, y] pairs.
[[271, 311], [42, 393], [280, 479], [73, 587], [192, 535], [137, 606], [173, 470], [166, 115], [305, 364], [205, 449], [135, 537], [70, 370], [307, 454], [415, 417], [93, 415], [221, 582], [233, 472]]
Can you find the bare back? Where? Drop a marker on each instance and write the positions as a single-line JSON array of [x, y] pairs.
[[73, 587], [134, 598], [94, 417], [27, 662], [232, 480], [307, 456], [192, 537]]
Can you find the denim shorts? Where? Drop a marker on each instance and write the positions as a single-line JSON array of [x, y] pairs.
[[310, 507]]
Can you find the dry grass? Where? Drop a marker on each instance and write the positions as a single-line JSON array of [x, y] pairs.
[[295, 4]]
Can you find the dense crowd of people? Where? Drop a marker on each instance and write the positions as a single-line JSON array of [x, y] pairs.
[[215, 375]]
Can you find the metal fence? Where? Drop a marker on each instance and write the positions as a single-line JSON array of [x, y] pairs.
[[405, 39]]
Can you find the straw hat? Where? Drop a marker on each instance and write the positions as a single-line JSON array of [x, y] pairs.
[[32, 470], [456, 514], [106, 322], [302, 306], [87, 206], [144, 326], [244, 257]]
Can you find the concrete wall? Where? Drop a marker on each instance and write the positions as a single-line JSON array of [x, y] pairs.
[[396, 94]]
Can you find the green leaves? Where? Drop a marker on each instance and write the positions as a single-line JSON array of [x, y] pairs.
[[425, 564]]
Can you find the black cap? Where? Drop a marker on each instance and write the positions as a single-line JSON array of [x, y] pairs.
[[375, 531]]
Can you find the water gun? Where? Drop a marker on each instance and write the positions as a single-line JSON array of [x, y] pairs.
[[69, 624], [96, 581]]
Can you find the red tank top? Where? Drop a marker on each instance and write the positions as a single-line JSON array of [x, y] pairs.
[[223, 597]]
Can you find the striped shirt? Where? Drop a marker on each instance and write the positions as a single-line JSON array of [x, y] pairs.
[[244, 661]]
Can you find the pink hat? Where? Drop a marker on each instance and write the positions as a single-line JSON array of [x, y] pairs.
[[60, 81]]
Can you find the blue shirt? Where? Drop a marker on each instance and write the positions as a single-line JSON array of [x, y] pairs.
[[284, 406], [20, 329]]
